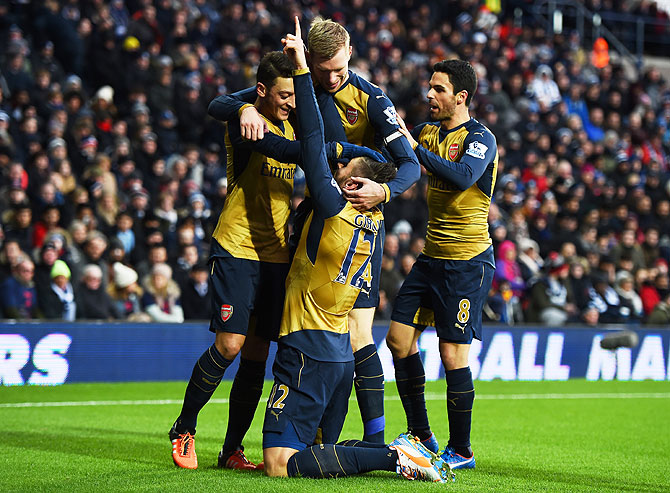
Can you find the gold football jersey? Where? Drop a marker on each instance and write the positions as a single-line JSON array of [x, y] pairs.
[[458, 219], [331, 266], [254, 221]]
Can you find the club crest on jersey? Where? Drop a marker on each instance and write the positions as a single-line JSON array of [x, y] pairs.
[[352, 115], [453, 151], [226, 312]]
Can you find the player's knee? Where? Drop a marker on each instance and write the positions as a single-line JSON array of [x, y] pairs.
[[454, 356], [399, 346], [275, 465], [229, 345]]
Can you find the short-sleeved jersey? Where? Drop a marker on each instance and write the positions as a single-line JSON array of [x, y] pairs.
[[457, 218], [254, 222], [330, 268]]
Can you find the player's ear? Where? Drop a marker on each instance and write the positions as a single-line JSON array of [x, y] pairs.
[[351, 50], [261, 89], [462, 96]]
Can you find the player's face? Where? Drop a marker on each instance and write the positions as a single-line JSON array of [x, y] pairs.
[[331, 73], [279, 100], [344, 172], [441, 98]]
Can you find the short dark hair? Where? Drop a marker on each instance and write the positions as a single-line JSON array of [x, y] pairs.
[[374, 170], [461, 75], [274, 64]]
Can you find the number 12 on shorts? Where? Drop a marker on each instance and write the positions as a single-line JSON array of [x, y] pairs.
[[279, 403]]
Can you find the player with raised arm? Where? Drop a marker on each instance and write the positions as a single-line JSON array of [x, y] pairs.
[[450, 280], [357, 111], [314, 365], [249, 262]]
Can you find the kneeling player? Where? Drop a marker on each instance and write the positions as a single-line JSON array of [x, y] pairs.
[[314, 364]]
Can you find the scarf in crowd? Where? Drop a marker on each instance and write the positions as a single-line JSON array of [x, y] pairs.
[[66, 297]]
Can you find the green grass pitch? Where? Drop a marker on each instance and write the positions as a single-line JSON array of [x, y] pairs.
[[527, 436]]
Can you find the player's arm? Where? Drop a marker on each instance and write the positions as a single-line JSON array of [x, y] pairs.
[[240, 105], [382, 115], [228, 106], [480, 151], [323, 189], [289, 151]]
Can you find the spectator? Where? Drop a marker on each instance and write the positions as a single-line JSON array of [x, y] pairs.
[[612, 308], [580, 284], [625, 288], [629, 247], [529, 259], [126, 294], [188, 258], [503, 305], [47, 258], [124, 231], [508, 269], [58, 302], [551, 298], [19, 298], [403, 230], [196, 297], [94, 250], [93, 302], [9, 257], [544, 89], [590, 316], [162, 296], [20, 227]]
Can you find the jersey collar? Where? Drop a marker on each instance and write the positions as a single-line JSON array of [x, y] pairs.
[[444, 133]]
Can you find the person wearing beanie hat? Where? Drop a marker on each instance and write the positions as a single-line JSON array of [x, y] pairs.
[[162, 296], [123, 276], [58, 302], [60, 269], [126, 293]]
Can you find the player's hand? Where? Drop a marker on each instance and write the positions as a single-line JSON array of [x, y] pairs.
[[405, 132], [294, 47], [363, 193], [252, 125]]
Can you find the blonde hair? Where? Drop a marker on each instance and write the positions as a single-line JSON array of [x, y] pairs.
[[326, 38]]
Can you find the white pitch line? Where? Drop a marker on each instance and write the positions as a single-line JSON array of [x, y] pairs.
[[429, 397]]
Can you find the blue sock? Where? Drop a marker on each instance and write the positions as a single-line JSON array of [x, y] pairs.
[[369, 385], [332, 461], [460, 397], [410, 379], [244, 396], [207, 374]]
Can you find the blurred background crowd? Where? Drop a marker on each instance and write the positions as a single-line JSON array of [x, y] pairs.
[[112, 176]]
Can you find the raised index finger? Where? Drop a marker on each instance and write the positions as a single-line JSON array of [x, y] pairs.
[[298, 34]]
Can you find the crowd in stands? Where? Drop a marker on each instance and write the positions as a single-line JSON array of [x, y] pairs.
[[112, 175]]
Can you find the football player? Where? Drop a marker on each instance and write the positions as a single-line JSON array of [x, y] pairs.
[[356, 111], [450, 281]]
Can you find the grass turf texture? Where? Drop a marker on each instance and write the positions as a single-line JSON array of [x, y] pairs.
[[586, 438]]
